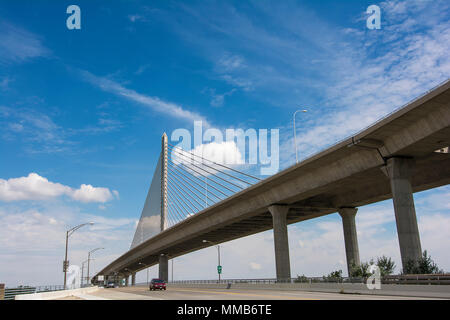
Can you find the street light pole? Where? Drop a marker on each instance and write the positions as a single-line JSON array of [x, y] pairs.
[[147, 269], [82, 271], [66, 263], [218, 255], [89, 259], [295, 135]]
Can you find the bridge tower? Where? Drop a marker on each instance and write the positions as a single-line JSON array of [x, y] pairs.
[[399, 171], [163, 258], [164, 152]]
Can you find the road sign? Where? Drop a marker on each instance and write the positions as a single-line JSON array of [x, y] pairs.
[[219, 269], [65, 265]]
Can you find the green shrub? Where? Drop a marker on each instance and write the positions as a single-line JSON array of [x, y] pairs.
[[424, 265], [386, 265]]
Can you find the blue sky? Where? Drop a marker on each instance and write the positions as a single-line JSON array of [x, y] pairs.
[[88, 107]]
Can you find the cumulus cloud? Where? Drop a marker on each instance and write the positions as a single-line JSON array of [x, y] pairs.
[[35, 187], [88, 193], [225, 152], [37, 236]]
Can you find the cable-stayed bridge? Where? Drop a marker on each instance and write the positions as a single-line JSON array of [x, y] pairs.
[[183, 184], [192, 199]]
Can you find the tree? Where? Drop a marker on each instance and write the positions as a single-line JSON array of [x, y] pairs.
[[301, 278], [386, 265], [424, 265], [360, 271], [334, 276]]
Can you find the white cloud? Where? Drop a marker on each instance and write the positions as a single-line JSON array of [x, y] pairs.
[[230, 62], [4, 83], [136, 17], [116, 193], [168, 108], [411, 58], [37, 236], [32, 187], [225, 152], [37, 131], [88, 193], [18, 45], [35, 187]]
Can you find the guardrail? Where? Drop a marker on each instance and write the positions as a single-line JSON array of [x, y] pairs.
[[10, 293], [431, 279], [273, 280], [439, 279]]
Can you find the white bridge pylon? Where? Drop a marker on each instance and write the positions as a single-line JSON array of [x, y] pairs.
[[184, 184]]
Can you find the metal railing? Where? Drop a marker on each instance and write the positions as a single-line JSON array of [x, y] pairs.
[[272, 280], [429, 279], [10, 293], [438, 279]]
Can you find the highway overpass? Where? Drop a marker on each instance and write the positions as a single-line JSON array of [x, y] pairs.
[[404, 152]]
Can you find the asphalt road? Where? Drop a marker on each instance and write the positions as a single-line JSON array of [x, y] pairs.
[[179, 293]]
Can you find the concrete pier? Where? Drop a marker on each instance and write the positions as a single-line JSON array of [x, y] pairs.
[[280, 237], [350, 237], [399, 171], [133, 279], [164, 267]]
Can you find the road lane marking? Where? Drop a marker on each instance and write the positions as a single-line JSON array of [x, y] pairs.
[[244, 294]]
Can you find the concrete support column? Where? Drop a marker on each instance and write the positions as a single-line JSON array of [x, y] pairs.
[[126, 280], [280, 237], [399, 172], [133, 279], [164, 267], [350, 237]]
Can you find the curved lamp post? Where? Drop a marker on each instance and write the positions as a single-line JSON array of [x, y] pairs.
[[218, 253], [66, 263], [89, 259], [295, 134]]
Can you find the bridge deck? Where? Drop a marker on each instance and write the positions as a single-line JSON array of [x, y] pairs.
[[348, 174]]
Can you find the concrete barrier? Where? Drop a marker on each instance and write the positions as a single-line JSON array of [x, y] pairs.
[[56, 294], [420, 291]]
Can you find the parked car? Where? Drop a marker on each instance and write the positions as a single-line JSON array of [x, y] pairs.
[[111, 285], [157, 284]]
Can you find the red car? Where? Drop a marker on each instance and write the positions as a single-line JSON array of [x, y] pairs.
[[157, 284]]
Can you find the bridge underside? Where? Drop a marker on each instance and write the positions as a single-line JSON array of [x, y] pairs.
[[350, 174], [361, 189]]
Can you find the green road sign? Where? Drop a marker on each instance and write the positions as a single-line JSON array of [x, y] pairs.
[[219, 269]]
